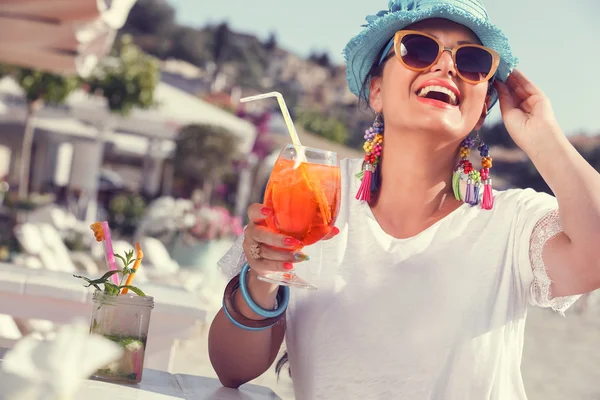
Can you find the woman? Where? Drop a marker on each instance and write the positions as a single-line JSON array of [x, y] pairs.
[[425, 282]]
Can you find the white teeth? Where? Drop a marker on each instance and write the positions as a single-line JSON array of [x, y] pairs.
[[423, 92]]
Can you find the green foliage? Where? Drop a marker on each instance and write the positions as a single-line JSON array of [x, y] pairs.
[[151, 17], [252, 69], [191, 45], [321, 59], [221, 42], [109, 287], [127, 78], [40, 85], [152, 23], [329, 127], [125, 212], [271, 42], [127, 261], [204, 153]]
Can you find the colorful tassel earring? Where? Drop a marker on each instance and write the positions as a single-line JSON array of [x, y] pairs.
[[475, 179], [370, 174], [486, 163]]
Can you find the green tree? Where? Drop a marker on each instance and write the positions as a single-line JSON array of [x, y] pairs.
[[329, 127], [321, 59], [251, 66], [152, 22], [127, 78], [189, 44], [151, 17], [204, 156], [221, 42], [220, 48], [40, 88], [271, 42]]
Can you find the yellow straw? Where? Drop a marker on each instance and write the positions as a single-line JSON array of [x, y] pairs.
[[284, 110], [321, 199], [136, 265]]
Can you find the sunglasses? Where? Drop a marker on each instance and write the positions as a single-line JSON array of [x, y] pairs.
[[418, 51]]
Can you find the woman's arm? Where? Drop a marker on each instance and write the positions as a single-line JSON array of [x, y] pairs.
[[237, 355], [572, 258]]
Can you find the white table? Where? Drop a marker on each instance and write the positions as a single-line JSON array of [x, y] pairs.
[[60, 298], [160, 385]]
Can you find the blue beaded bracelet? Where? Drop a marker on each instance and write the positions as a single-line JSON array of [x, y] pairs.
[[283, 297]]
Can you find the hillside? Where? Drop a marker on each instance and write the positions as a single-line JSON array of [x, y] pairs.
[[226, 60], [218, 63]]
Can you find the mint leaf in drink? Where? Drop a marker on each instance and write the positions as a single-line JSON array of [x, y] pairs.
[[88, 280], [131, 344], [108, 275], [134, 290], [120, 257], [128, 259], [111, 288]]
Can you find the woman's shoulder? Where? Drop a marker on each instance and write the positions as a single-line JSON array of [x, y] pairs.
[[520, 194], [523, 199]]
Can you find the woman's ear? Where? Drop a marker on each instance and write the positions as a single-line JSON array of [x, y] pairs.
[[375, 94], [484, 112]]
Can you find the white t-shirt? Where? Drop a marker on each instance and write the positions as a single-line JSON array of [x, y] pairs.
[[440, 315]]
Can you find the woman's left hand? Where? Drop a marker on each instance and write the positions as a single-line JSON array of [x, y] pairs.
[[526, 111]]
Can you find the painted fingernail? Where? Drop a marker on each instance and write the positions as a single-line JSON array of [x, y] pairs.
[[335, 230], [265, 211], [301, 257], [292, 242], [288, 265]]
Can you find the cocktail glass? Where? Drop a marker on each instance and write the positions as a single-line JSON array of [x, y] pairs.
[[304, 194]]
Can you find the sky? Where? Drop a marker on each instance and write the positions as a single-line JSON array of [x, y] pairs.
[[557, 42]]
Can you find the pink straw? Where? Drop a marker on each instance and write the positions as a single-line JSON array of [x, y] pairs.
[[109, 253]]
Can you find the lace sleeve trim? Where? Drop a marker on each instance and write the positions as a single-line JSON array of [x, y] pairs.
[[232, 262], [540, 294]]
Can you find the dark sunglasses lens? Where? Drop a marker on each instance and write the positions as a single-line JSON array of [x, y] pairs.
[[473, 63], [418, 51]]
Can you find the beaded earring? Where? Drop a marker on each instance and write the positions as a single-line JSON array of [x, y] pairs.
[[465, 172], [370, 174]]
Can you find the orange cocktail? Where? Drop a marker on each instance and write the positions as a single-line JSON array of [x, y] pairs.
[[305, 200]]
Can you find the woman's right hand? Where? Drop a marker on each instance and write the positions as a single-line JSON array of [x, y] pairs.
[[277, 252]]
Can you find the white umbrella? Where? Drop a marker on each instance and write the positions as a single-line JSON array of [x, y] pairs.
[[60, 36]]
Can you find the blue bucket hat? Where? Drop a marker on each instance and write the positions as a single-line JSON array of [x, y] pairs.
[[362, 50]]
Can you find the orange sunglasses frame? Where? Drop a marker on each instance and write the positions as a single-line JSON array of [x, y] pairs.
[[402, 34]]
